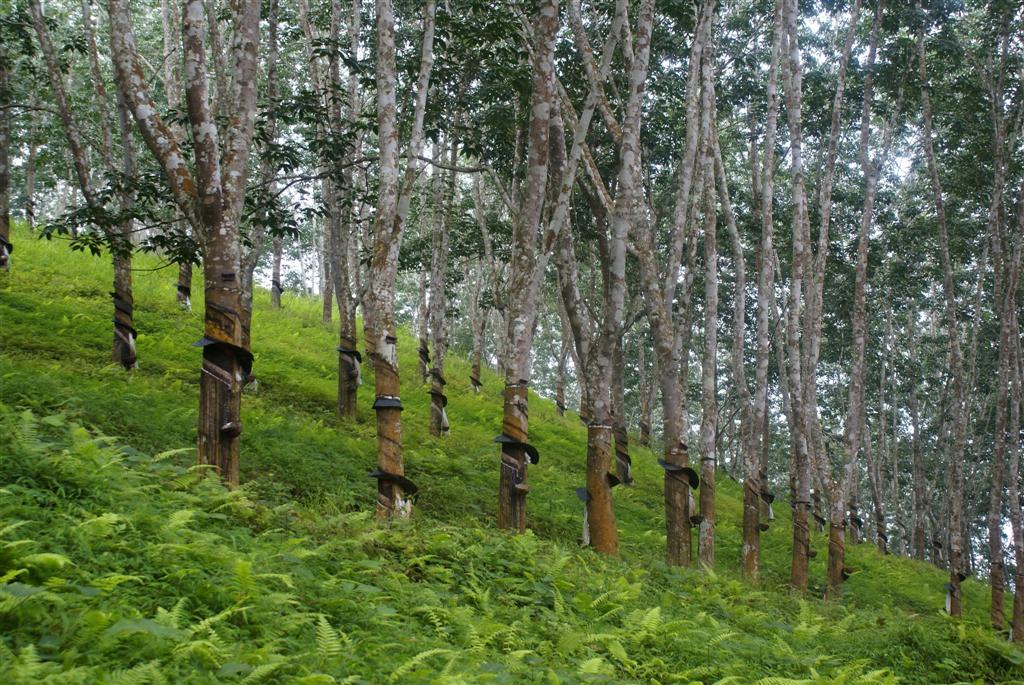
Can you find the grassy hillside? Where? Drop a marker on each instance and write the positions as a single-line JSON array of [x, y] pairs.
[[118, 566]]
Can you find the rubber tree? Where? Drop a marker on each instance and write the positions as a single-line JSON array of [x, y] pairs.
[[527, 268], [659, 285], [171, 27], [118, 235], [394, 490], [709, 363], [444, 196], [325, 76], [762, 181], [855, 431], [793, 76], [1002, 251], [957, 409], [211, 198], [6, 247]]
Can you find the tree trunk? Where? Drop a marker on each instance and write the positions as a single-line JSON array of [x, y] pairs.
[[172, 87], [478, 327], [123, 348], [220, 181], [5, 164], [527, 267], [623, 462], [184, 287], [444, 190], [754, 471], [659, 290], [394, 491], [709, 366], [959, 408], [275, 275], [30, 180], [875, 479], [1008, 262], [646, 393], [423, 326], [798, 439], [1004, 279], [709, 416], [326, 247]]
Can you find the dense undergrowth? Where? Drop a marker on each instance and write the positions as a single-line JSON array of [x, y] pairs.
[[119, 565]]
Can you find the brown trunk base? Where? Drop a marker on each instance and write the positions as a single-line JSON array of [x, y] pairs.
[[604, 536], [836, 559], [424, 353], [220, 403], [394, 491], [124, 352], [348, 377], [799, 570], [677, 508], [512, 482]]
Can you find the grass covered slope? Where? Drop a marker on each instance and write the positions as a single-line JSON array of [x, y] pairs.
[[117, 565]]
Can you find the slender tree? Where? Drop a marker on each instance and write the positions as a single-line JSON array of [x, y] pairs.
[[118, 237], [958, 409], [659, 287], [527, 267], [211, 199], [5, 164]]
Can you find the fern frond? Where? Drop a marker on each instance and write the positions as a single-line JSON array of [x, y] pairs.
[[412, 663], [328, 643]]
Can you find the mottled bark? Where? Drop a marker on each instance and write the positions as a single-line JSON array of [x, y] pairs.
[[648, 392], [394, 491], [118, 237], [423, 325], [854, 428], [170, 23], [1013, 475], [623, 462], [252, 252], [528, 264], [30, 178], [659, 286], [444, 192], [876, 459], [709, 364], [815, 260], [326, 247], [918, 481], [5, 164], [212, 201], [958, 408], [798, 432], [709, 415], [762, 181], [1005, 278], [478, 326]]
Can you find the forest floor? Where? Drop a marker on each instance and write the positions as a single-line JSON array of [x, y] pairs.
[[119, 565]]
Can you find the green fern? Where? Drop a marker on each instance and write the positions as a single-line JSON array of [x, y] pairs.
[[412, 663], [328, 641]]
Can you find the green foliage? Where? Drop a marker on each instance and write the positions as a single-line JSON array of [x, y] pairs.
[[119, 564]]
